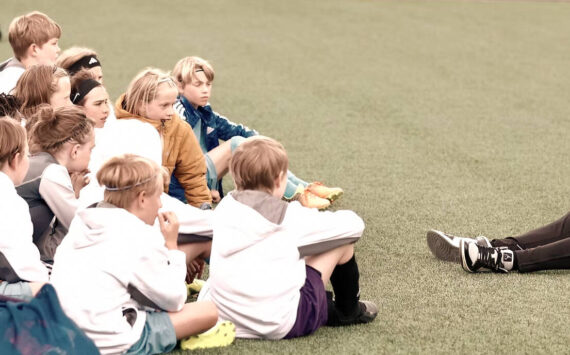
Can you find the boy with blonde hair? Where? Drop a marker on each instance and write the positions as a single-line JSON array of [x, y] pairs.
[[121, 279], [34, 39], [194, 77], [271, 259]]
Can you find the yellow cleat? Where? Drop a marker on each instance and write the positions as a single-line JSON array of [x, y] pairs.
[[222, 334], [308, 199], [322, 191], [195, 286]]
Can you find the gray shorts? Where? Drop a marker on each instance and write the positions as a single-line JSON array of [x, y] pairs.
[[157, 337], [20, 290], [211, 175]]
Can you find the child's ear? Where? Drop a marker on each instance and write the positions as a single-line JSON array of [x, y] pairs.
[[180, 86], [33, 50], [75, 151], [141, 199], [277, 182], [13, 164]]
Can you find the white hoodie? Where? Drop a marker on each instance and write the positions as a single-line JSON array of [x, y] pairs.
[[256, 264], [16, 242], [105, 258], [140, 138]]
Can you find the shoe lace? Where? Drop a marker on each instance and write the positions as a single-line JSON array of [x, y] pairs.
[[490, 258]]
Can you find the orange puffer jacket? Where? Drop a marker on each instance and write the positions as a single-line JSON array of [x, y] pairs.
[[181, 154]]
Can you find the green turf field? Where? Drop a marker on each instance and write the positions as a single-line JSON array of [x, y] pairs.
[[445, 114]]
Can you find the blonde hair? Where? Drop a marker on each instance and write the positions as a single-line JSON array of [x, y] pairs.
[[257, 163], [34, 27], [36, 86], [54, 128], [185, 70], [71, 55], [12, 140], [126, 176], [143, 89]]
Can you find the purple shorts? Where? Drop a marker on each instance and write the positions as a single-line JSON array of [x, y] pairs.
[[312, 312]]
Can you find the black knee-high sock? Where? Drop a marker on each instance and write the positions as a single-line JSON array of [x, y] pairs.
[[344, 280]]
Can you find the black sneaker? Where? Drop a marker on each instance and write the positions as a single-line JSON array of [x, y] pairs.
[[446, 246], [475, 257], [366, 313]]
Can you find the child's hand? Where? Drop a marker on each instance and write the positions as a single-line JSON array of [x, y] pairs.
[[215, 196], [169, 228], [194, 269], [79, 180]]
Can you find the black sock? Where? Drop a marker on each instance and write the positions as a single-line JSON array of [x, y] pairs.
[[344, 280], [509, 242]]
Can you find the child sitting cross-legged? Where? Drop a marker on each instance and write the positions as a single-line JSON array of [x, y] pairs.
[[121, 278], [271, 259]]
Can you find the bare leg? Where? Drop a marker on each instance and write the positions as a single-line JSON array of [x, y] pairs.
[[221, 156], [194, 318], [327, 261], [196, 250], [36, 286]]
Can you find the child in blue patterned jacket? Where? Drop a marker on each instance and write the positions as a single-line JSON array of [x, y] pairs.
[[194, 77]]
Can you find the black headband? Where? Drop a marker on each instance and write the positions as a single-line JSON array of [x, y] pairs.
[[88, 62], [82, 90]]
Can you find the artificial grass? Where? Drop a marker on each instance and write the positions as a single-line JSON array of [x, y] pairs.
[[445, 114]]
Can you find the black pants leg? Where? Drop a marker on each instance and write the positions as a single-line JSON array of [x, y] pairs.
[[544, 248], [545, 257]]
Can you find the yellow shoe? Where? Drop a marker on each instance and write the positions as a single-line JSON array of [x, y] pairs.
[[330, 193], [222, 334], [308, 199], [195, 286]]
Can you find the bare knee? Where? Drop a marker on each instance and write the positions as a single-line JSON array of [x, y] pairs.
[[347, 253], [35, 287]]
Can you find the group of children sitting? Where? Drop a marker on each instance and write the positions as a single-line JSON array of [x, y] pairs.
[[112, 206]]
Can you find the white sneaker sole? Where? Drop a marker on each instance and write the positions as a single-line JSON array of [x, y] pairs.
[[462, 256], [442, 246]]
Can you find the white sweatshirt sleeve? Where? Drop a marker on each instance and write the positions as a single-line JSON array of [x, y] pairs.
[[322, 231], [57, 190], [159, 273], [192, 219]]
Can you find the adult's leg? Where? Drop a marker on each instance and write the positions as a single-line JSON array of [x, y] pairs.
[[551, 256], [547, 234]]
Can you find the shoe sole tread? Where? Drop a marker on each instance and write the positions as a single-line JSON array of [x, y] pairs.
[[441, 248]]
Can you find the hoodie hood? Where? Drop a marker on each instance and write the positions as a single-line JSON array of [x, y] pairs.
[[122, 113], [259, 219], [94, 222]]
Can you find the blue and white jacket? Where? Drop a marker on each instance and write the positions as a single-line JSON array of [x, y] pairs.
[[214, 128]]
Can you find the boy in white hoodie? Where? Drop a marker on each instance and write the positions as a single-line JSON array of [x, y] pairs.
[[270, 260], [122, 280]]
